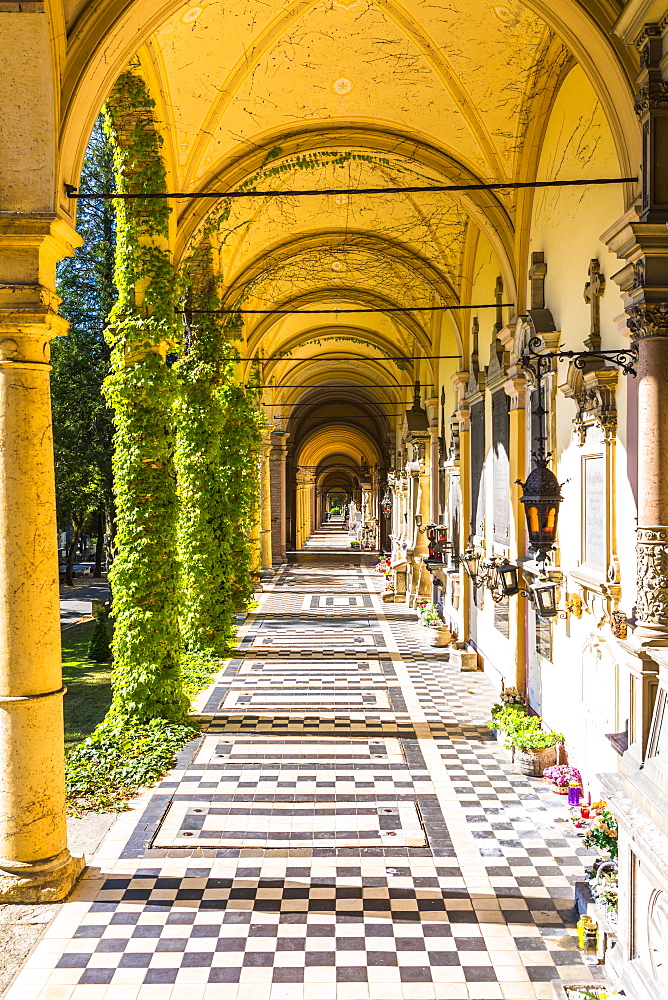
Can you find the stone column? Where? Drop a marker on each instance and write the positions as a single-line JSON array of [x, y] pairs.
[[279, 511], [516, 389], [434, 506], [644, 282], [300, 510], [265, 510], [35, 865], [462, 421]]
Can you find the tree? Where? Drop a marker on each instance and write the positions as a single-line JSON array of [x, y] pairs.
[[82, 422]]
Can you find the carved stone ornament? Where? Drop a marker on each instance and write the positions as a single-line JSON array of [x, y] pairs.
[[454, 438], [652, 97], [652, 600], [594, 394], [619, 625], [648, 320]]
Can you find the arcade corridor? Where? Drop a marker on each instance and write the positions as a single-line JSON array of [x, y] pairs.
[[344, 830]]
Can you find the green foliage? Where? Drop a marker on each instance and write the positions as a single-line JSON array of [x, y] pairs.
[[203, 374], [528, 738], [82, 422], [240, 448], [142, 390], [522, 731], [99, 649], [504, 716], [109, 766]]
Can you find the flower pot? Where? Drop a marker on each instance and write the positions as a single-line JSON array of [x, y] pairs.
[[560, 789], [440, 635], [534, 762]]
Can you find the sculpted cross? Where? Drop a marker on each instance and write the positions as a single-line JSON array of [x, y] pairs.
[[498, 298], [593, 291], [537, 273]]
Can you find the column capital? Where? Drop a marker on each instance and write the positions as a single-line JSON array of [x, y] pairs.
[[30, 248], [643, 280], [516, 388], [652, 599]]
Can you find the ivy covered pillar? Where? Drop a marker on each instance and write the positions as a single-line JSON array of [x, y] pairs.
[[142, 391], [35, 865]]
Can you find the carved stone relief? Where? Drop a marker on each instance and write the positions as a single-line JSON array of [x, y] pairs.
[[594, 394], [649, 319], [652, 600]]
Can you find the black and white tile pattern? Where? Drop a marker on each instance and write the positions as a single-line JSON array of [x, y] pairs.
[[345, 829]]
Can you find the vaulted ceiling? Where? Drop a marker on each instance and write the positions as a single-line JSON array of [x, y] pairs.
[[331, 94]]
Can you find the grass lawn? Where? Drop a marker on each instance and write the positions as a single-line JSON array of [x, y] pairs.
[[88, 685]]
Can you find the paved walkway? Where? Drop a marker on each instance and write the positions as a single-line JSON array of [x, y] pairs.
[[330, 535], [75, 601], [343, 830]]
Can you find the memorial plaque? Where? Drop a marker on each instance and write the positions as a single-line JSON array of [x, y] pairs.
[[502, 616], [455, 515], [501, 466], [544, 638], [593, 512], [477, 468]]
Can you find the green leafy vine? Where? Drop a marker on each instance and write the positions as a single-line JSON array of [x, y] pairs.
[[142, 390]]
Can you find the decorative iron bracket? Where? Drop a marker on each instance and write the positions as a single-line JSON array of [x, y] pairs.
[[540, 363]]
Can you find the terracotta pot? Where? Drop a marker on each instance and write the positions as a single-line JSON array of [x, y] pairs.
[[534, 762], [441, 635]]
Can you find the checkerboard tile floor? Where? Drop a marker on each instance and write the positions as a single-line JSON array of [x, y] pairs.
[[263, 866]]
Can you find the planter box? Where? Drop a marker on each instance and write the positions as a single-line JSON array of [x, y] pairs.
[[534, 762], [463, 659]]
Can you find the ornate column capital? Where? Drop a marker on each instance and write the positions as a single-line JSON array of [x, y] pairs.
[[652, 600], [643, 280], [30, 248]]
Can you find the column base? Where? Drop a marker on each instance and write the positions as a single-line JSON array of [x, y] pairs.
[[43, 882], [650, 636]]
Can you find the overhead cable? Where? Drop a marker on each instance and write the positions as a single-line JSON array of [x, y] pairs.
[[335, 309], [73, 192]]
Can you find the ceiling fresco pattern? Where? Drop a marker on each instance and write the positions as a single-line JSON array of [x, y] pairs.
[[350, 94]]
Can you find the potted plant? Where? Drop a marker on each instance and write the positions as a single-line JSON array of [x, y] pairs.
[[562, 776], [505, 718], [505, 715], [603, 830], [430, 618], [535, 749]]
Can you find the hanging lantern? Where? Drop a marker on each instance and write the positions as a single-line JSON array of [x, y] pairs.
[[507, 577], [541, 499], [386, 504], [544, 596]]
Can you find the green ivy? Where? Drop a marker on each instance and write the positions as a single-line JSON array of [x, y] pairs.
[[240, 450], [204, 373], [142, 391], [111, 764]]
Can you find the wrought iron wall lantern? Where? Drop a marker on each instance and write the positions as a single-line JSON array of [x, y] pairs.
[[501, 578], [543, 595], [490, 572], [439, 547], [541, 491], [386, 504]]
